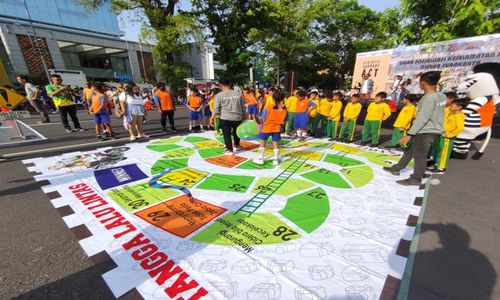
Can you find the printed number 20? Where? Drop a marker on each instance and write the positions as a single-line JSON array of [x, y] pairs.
[[282, 231]]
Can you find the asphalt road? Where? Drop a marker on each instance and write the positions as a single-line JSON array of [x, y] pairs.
[[457, 255]]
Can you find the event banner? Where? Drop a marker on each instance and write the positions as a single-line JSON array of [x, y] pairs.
[[455, 58], [177, 219]]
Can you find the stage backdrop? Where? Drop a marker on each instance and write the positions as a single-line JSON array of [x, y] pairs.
[[176, 218], [455, 58]]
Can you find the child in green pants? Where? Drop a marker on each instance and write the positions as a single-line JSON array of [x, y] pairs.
[[453, 125], [377, 112], [334, 117], [404, 120], [351, 113]]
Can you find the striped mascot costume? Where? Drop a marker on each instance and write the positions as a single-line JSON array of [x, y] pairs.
[[483, 91]]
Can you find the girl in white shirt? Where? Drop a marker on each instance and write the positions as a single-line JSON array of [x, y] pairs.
[[133, 105]]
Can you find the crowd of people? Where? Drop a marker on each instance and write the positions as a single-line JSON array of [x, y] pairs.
[[431, 121]]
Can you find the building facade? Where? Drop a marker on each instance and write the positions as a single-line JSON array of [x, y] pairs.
[[205, 66], [68, 36]]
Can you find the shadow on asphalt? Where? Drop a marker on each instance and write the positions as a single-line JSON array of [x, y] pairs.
[[453, 271], [86, 284]]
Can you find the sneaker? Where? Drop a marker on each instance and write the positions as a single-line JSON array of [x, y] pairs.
[[113, 136], [144, 136], [237, 148], [164, 129], [173, 129], [391, 170], [45, 121], [258, 161], [101, 138], [133, 138], [331, 140], [434, 170], [69, 130], [228, 152], [79, 129], [276, 162], [410, 182]]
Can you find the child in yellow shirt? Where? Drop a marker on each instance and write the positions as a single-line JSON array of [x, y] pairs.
[[324, 108], [351, 113], [453, 124], [377, 112], [334, 117], [404, 120]]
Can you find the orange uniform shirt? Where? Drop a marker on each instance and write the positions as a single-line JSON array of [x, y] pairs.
[[251, 100], [194, 101], [274, 119], [166, 102], [97, 99]]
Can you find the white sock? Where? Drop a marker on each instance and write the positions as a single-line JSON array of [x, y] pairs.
[[201, 126], [261, 152], [276, 154]]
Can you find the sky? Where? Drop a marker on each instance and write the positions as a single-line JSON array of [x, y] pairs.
[[132, 28]]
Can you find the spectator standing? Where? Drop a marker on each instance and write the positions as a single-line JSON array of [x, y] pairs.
[[61, 95], [134, 110], [166, 107], [427, 126], [33, 96], [230, 107]]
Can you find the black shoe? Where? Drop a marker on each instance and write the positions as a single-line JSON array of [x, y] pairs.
[[331, 140], [375, 145], [391, 147], [173, 129], [410, 182], [364, 143], [101, 138], [69, 130], [391, 170]]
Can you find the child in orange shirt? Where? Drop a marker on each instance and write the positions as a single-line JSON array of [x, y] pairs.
[[195, 105], [273, 116]]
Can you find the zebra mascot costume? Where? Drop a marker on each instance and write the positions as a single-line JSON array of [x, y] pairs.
[[482, 89]]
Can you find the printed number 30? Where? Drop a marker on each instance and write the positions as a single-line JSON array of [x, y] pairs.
[[282, 231]]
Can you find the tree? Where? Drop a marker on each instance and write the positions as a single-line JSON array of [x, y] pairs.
[[428, 21], [228, 25], [170, 30], [341, 30], [285, 36]]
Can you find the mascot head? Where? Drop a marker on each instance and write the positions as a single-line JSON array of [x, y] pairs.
[[478, 85]]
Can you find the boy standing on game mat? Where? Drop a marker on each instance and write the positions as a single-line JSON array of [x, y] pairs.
[[378, 111], [404, 120], [351, 114], [334, 117]]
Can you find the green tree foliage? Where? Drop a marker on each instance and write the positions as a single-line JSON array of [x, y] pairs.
[[427, 21], [228, 23], [170, 29]]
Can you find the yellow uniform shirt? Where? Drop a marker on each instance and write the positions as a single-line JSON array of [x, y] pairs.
[[406, 115], [335, 111], [352, 111], [211, 104], [314, 109], [324, 107], [291, 104], [378, 112], [454, 124], [446, 113], [269, 101]]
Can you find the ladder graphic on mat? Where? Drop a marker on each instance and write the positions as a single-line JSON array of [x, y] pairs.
[[262, 196]]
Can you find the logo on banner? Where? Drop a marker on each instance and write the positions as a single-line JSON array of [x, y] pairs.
[[113, 177]]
